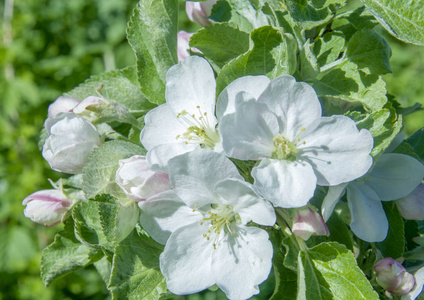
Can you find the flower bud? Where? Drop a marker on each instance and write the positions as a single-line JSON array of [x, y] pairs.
[[411, 207], [71, 140], [392, 276], [46, 207], [308, 222], [138, 181], [198, 12], [88, 107], [184, 48], [62, 104]]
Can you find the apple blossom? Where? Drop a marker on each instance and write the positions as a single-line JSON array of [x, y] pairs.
[[138, 181], [411, 207], [46, 207], [202, 221], [62, 104], [184, 48], [296, 146], [199, 12], [418, 287], [393, 277], [71, 139], [392, 177], [87, 107], [308, 222]]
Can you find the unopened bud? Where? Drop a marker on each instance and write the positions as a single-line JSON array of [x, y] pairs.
[[90, 107], [138, 181], [411, 207], [184, 48], [308, 222], [393, 277], [198, 12], [62, 105], [46, 207]]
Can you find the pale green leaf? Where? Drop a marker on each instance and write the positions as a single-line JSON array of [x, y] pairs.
[[135, 269], [328, 47], [403, 19], [152, 33], [308, 14]]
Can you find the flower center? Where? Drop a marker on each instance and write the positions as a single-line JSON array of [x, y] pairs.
[[199, 130], [284, 149]]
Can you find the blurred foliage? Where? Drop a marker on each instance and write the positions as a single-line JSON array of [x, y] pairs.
[[48, 47]]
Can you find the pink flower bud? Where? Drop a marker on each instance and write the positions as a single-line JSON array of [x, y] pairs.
[[198, 12], [411, 207], [183, 45], [138, 181], [62, 104], [87, 107], [46, 207], [308, 222], [392, 276]]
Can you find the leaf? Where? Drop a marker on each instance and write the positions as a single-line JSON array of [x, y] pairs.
[[271, 55], [210, 39], [394, 244], [328, 47], [370, 52], [406, 148], [99, 172], [329, 271], [152, 33], [403, 19], [339, 232], [308, 15], [119, 85], [65, 255], [346, 83], [135, 269], [417, 142]]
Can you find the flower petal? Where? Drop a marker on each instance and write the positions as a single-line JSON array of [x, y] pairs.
[[186, 261], [333, 195], [248, 133], [162, 127], [189, 84], [395, 176], [244, 200], [194, 175], [253, 85], [164, 213], [337, 150], [242, 262], [419, 283], [159, 156], [285, 184], [369, 221], [295, 103]]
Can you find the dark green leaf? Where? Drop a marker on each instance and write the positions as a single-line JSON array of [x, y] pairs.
[[417, 142], [339, 232]]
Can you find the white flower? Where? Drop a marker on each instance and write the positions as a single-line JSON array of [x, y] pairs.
[[138, 181], [281, 125], [46, 207], [62, 104], [393, 277], [71, 140], [90, 107], [411, 207], [199, 12], [392, 177], [418, 287], [203, 223]]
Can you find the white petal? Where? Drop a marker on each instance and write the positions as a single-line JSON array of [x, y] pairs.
[[369, 220], [416, 291], [242, 197], [253, 85], [165, 213], [242, 262], [194, 175], [186, 261], [285, 184], [337, 150], [295, 103], [159, 156], [162, 127], [189, 84], [333, 195], [248, 133], [395, 176]]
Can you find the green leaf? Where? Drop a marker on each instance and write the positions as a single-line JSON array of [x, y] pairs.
[[329, 271], [339, 231], [103, 266], [328, 47], [135, 269], [394, 244], [309, 14], [417, 142], [120, 85], [272, 54], [65, 255], [210, 39], [152, 33], [369, 51], [291, 253], [402, 19], [346, 83], [99, 173], [406, 148]]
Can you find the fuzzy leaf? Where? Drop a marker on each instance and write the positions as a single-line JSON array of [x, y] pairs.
[[309, 14]]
